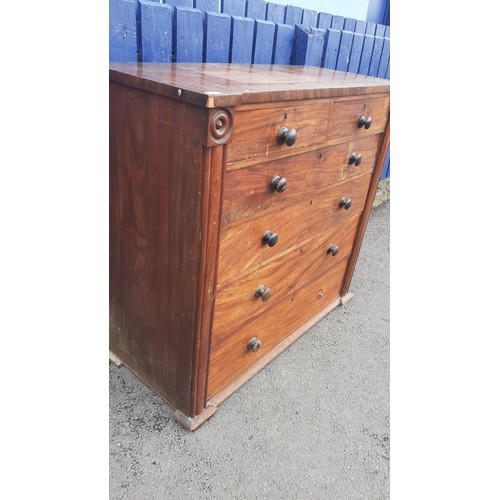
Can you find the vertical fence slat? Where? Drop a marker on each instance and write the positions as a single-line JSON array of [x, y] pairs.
[[308, 46], [256, 9], [337, 22], [283, 44], [293, 15], [370, 28], [360, 27], [377, 52], [217, 37], [349, 24], [331, 48], [207, 5], [366, 55], [356, 50], [344, 50], [188, 35], [241, 40], [233, 7], [324, 20], [380, 31], [387, 32], [388, 72], [122, 31], [180, 3], [387, 163], [263, 41], [309, 18], [275, 12], [156, 31], [384, 58]]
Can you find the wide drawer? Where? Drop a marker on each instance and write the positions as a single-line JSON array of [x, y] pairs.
[[241, 246], [229, 356], [247, 190], [256, 129], [236, 302]]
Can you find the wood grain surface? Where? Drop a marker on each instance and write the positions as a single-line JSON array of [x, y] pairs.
[[231, 358], [256, 127], [156, 177], [241, 247], [247, 190], [235, 302], [218, 84]]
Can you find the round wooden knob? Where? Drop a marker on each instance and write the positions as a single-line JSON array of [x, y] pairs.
[[263, 293], [333, 249], [345, 203], [278, 184], [361, 121], [287, 136], [270, 238], [254, 344]]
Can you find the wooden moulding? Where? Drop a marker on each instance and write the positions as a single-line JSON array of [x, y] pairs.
[[115, 359]]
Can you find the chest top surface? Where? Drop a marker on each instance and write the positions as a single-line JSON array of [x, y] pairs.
[[215, 85]]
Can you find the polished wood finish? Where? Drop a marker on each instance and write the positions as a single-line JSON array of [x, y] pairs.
[[236, 303], [199, 300], [217, 85], [256, 128], [230, 358], [247, 192], [241, 246]]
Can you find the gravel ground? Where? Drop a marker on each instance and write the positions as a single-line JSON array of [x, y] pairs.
[[314, 424]]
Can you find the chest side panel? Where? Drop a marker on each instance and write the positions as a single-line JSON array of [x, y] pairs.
[[156, 178]]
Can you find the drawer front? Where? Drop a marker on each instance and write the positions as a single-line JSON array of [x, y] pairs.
[[229, 356], [247, 190], [236, 302], [241, 246], [346, 114], [255, 131]]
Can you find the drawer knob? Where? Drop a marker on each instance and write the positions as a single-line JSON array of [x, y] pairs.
[[254, 344], [355, 158], [263, 293], [270, 238], [333, 249], [287, 136], [365, 122], [345, 203], [278, 184]]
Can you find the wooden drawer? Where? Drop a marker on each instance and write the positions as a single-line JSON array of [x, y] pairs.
[[241, 245], [236, 303], [256, 128], [247, 190], [229, 356], [346, 113]]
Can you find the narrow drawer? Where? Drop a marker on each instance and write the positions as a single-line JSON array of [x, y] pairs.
[[347, 113], [256, 129], [229, 356], [255, 132], [241, 246], [236, 302], [248, 190]]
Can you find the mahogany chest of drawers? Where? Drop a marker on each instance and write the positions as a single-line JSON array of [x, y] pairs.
[[239, 196]]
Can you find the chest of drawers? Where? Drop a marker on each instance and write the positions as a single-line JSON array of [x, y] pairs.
[[239, 196]]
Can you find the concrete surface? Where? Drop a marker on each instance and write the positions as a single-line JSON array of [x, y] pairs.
[[314, 424]]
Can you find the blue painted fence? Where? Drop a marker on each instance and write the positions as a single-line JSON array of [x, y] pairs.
[[246, 31]]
